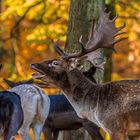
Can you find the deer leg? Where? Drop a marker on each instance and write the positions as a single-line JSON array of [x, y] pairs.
[[25, 134], [55, 135], [47, 133], [93, 130], [118, 136], [13, 126], [37, 128]]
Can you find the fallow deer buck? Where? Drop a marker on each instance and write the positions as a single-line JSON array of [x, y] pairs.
[[114, 106]]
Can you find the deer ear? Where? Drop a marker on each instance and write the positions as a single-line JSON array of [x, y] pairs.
[[9, 83]]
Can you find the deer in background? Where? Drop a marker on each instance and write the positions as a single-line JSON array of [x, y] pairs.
[[35, 104], [11, 114], [62, 115], [114, 106]]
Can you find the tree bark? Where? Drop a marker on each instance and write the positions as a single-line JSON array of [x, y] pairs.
[[108, 53], [81, 15]]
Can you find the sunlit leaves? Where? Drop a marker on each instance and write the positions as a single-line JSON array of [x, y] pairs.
[[129, 59], [40, 24]]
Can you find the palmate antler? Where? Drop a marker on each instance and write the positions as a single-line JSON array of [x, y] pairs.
[[101, 37]]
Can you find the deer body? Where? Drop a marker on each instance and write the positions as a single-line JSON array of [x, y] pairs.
[[11, 115], [62, 116], [114, 106], [35, 106]]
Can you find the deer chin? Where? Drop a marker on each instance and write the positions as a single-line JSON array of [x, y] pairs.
[[43, 81], [37, 75], [43, 84]]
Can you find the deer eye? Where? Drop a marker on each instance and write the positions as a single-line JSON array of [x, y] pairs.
[[55, 63]]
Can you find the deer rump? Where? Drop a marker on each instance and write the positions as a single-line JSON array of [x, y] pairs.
[[11, 114], [36, 105]]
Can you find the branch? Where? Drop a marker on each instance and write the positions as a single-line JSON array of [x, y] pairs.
[[21, 18], [18, 22], [128, 5], [130, 17], [44, 9]]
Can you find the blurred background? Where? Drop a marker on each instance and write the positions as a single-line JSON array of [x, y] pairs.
[[29, 28]]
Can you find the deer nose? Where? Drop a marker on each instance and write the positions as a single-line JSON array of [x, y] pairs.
[[32, 65]]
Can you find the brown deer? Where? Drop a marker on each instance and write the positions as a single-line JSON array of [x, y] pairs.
[[114, 106]]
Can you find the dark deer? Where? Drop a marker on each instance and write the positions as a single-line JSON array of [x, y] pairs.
[[114, 106], [11, 114], [62, 116]]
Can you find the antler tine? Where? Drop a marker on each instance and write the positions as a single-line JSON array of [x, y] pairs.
[[98, 66], [59, 50], [117, 34], [119, 40], [121, 27], [101, 37], [92, 29], [101, 66], [114, 19], [80, 40], [82, 44]]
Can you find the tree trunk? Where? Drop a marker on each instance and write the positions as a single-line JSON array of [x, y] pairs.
[[108, 53], [81, 15]]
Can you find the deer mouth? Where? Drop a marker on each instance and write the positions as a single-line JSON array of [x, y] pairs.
[[38, 74], [44, 81]]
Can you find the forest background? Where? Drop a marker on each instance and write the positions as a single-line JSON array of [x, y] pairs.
[[29, 28]]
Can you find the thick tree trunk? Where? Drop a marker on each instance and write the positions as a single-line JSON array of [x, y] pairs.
[[81, 15], [108, 53]]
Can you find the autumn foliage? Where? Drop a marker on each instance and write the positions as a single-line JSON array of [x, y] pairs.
[[29, 29]]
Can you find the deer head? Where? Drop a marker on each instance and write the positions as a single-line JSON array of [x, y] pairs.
[[101, 37]]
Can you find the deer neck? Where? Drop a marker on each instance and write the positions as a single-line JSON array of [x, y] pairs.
[[80, 87]]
